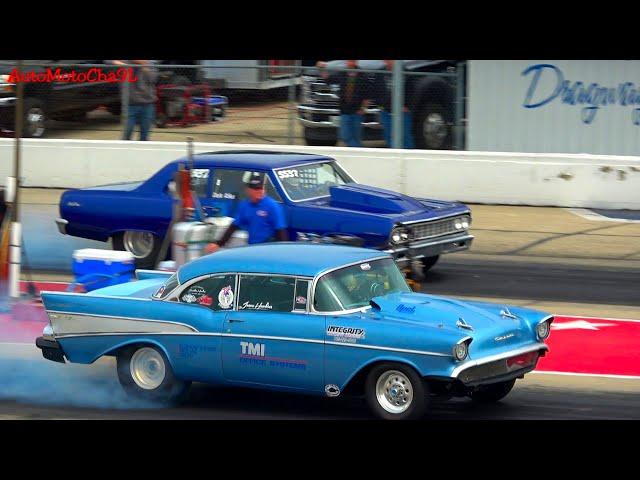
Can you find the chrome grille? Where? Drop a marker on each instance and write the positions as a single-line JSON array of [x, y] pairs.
[[437, 228]]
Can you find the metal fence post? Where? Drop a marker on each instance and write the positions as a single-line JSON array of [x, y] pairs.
[[459, 127], [124, 109], [397, 104], [292, 110]]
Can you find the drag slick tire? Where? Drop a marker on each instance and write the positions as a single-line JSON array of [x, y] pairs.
[[492, 393], [396, 392], [144, 246], [145, 374]]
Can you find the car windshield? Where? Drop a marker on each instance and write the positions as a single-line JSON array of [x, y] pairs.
[[354, 287], [167, 287], [312, 181]]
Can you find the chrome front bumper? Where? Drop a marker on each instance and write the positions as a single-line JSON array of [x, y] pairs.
[[306, 113], [431, 247], [62, 225]]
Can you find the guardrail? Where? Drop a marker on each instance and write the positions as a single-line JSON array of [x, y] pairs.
[[562, 180]]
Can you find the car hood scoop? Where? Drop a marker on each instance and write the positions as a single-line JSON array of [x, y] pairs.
[[353, 196]]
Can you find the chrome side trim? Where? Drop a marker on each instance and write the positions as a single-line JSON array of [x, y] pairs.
[[389, 349], [73, 294], [512, 353]]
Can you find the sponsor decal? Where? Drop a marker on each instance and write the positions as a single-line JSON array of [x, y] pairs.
[[160, 292], [301, 300], [254, 349], [262, 213], [188, 298], [226, 196], [365, 266], [225, 297], [188, 350], [253, 354], [345, 334], [197, 291], [205, 300], [255, 306], [404, 309]]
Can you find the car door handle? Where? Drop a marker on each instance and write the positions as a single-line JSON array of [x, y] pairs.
[[235, 320]]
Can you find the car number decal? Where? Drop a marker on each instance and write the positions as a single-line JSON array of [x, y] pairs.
[[282, 174]]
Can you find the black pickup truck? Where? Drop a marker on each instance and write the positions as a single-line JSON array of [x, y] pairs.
[[57, 100], [433, 104]]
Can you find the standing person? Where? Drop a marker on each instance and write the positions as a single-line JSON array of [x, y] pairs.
[[142, 98], [384, 99], [354, 100], [260, 215]]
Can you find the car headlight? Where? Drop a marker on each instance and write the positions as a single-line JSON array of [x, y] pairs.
[[460, 351], [462, 223], [543, 329], [399, 235]]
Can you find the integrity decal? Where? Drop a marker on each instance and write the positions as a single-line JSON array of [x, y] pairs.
[[345, 334]]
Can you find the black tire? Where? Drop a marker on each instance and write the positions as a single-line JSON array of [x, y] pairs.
[[141, 262], [319, 141], [172, 390], [492, 393], [30, 129], [428, 262], [419, 403], [424, 114]]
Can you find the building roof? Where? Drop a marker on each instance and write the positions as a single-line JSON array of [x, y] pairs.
[[287, 258]]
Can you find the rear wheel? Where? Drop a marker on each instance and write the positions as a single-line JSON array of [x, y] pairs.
[[433, 127], [396, 392], [34, 118], [144, 246], [145, 373], [492, 393]]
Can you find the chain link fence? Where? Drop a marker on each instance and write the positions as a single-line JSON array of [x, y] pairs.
[[245, 101]]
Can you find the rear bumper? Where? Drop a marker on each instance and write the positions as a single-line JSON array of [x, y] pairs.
[[62, 225], [431, 248], [51, 350]]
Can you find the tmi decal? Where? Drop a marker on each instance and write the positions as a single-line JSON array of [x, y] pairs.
[[590, 95], [255, 349]]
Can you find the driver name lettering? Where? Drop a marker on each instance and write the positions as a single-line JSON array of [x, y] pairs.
[[254, 306], [345, 334]]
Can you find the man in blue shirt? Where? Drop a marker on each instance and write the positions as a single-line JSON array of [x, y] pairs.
[[261, 216]]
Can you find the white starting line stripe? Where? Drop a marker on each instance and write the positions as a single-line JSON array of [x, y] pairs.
[[593, 216], [599, 318], [574, 374]]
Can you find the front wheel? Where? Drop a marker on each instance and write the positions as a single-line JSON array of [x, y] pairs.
[[34, 118], [144, 246], [433, 127], [492, 393], [396, 392], [145, 373]]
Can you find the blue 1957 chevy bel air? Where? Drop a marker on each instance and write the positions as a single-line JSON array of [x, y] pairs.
[[297, 317], [318, 196]]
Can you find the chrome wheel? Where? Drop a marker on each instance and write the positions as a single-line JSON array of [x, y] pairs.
[[35, 122], [139, 244], [147, 368], [394, 391], [434, 129]]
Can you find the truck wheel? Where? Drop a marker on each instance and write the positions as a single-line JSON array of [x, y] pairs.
[[433, 127], [312, 138], [145, 373], [492, 393], [396, 392], [33, 123], [144, 246]]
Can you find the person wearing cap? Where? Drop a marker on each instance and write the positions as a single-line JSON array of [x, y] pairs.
[[260, 215]]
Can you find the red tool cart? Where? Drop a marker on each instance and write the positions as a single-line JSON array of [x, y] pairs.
[[184, 105]]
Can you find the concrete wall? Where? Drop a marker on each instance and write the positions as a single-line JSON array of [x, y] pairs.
[[564, 180]]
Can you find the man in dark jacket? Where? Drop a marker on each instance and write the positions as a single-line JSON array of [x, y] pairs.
[[142, 98], [355, 92], [384, 99]]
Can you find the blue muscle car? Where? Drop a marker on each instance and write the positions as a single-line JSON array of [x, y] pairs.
[[318, 196], [297, 317]]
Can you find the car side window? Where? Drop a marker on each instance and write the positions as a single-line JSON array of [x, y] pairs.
[[270, 293], [217, 293], [200, 181], [228, 184]]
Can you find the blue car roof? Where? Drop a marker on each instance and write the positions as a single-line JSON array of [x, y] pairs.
[[254, 159], [287, 258]]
